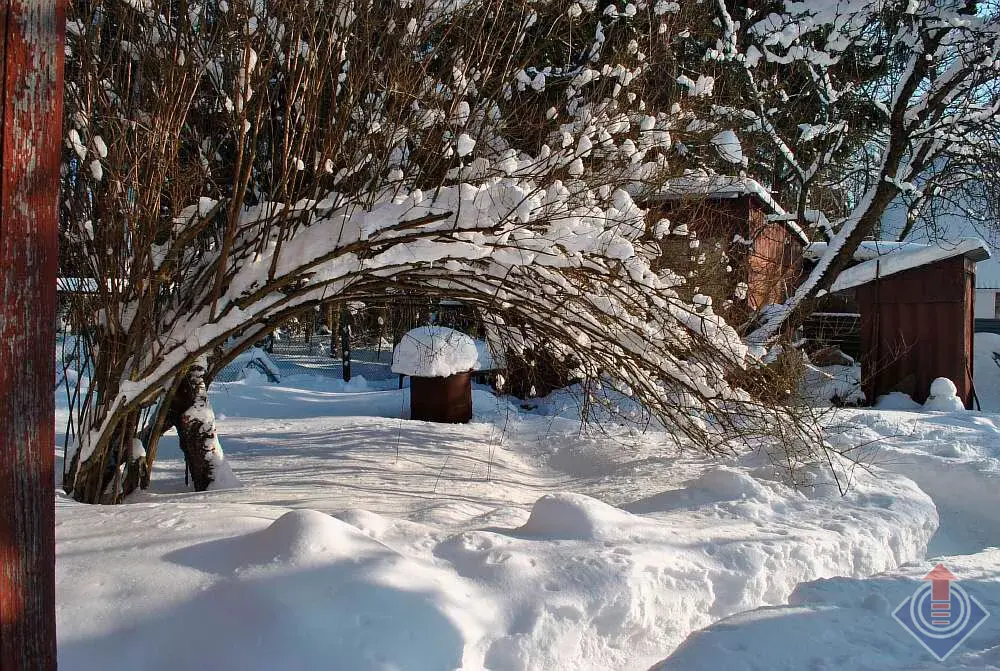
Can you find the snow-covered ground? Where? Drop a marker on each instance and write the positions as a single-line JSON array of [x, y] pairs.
[[845, 622], [360, 540]]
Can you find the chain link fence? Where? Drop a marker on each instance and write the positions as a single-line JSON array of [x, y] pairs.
[[346, 341]]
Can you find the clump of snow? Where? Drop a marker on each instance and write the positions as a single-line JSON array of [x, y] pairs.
[[357, 383], [944, 396], [943, 387], [465, 144], [728, 146], [434, 351], [896, 400]]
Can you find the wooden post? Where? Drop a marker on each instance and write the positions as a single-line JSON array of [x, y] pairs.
[[345, 342], [31, 47]]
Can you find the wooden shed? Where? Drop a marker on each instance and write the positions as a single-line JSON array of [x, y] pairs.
[[747, 245], [917, 317]]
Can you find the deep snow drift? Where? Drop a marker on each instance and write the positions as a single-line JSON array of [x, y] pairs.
[[847, 621], [361, 540]]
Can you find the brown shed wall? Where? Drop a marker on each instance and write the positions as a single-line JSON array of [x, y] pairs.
[[775, 263], [917, 325], [771, 266]]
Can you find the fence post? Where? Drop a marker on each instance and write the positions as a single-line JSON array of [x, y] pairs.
[[31, 46], [345, 342]]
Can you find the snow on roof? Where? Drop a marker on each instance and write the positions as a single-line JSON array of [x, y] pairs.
[[868, 250], [695, 185], [435, 351], [898, 257], [950, 226]]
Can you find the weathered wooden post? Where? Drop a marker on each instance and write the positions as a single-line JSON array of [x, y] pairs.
[[345, 342], [31, 47]]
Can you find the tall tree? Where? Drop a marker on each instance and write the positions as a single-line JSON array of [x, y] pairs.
[[874, 101]]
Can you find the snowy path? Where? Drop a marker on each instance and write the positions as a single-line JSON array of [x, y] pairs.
[[955, 458], [427, 564]]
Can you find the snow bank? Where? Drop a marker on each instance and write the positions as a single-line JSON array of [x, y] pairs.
[[845, 623], [577, 517], [896, 400], [579, 584], [434, 351], [452, 552]]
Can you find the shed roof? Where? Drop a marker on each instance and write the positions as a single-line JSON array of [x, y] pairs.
[[884, 258], [697, 184]]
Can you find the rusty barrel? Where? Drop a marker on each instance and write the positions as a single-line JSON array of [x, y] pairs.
[[442, 399]]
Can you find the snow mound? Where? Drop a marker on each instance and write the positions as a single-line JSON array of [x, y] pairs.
[[301, 535], [296, 539], [569, 516], [943, 396], [840, 385], [730, 484], [896, 400], [434, 351], [721, 484]]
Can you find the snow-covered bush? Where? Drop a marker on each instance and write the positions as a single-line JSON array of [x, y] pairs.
[[233, 166]]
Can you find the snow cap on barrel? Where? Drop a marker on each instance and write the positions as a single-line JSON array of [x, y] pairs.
[[434, 351]]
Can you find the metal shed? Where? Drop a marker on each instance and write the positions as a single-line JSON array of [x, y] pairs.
[[917, 318]]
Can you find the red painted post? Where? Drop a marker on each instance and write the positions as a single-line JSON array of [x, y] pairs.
[[31, 50]]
